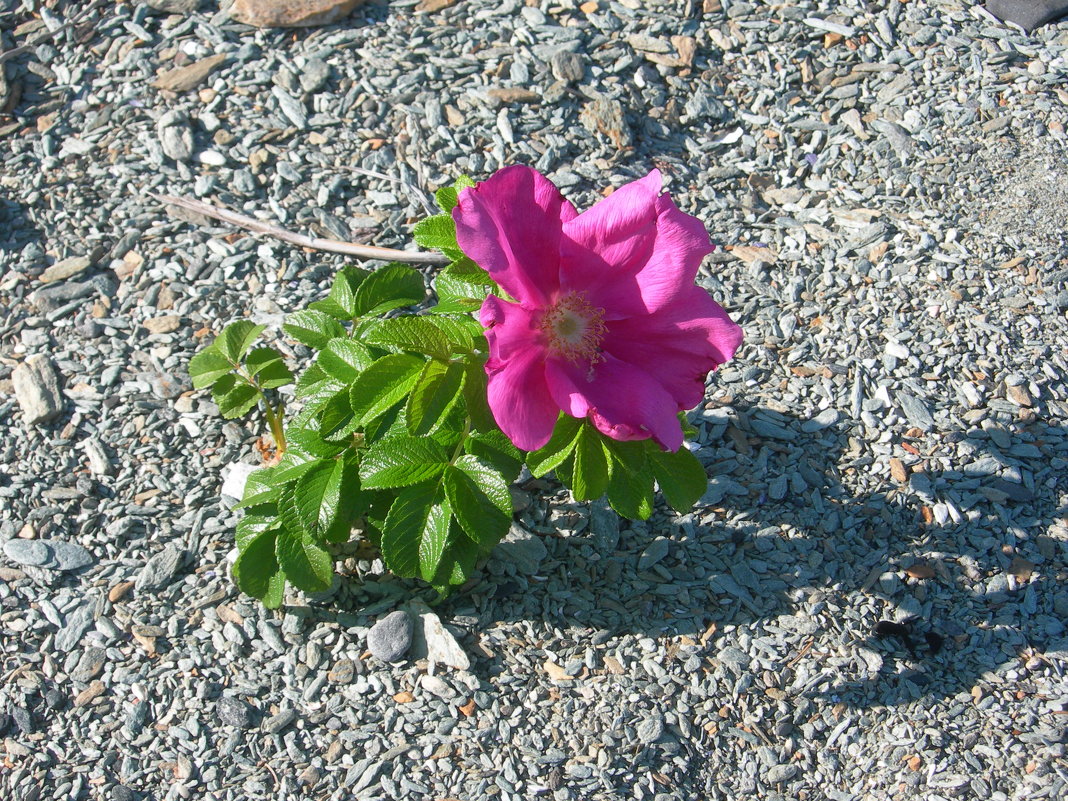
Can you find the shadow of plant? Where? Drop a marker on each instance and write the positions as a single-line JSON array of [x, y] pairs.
[[963, 553]]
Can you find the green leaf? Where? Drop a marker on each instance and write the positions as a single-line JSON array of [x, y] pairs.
[[450, 431], [457, 562], [237, 338], [352, 500], [630, 481], [682, 478], [434, 394], [305, 562], [383, 384], [494, 448], [409, 333], [462, 286], [437, 232], [590, 478], [317, 496], [311, 442], [480, 500], [267, 366], [389, 287], [447, 197], [463, 333], [312, 328], [294, 464], [315, 381], [258, 518], [340, 303], [475, 398], [257, 564], [416, 531], [400, 461], [342, 360], [259, 488], [208, 366], [276, 590], [234, 396], [336, 420], [559, 447]]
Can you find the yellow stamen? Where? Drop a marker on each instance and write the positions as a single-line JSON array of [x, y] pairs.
[[574, 329]]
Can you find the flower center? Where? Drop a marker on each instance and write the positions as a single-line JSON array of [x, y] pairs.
[[574, 329]]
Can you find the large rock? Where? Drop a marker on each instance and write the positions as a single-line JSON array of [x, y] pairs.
[[292, 13], [37, 389]]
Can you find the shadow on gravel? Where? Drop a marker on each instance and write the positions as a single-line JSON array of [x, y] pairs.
[[950, 553], [16, 227]]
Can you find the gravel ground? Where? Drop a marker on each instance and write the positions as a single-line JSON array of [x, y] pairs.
[[889, 445]]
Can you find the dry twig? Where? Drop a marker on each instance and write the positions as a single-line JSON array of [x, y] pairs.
[[315, 243]]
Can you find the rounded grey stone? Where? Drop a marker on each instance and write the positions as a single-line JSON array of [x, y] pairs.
[[390, 638]]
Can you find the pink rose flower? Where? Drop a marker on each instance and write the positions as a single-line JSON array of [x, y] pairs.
[[608, 324]]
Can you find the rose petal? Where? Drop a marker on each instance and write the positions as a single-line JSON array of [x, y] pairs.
[[634, 252], [678, 345], [517, 391], [621, 400], [510, 225]]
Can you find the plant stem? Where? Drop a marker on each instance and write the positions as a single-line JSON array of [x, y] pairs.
[[274, 420]]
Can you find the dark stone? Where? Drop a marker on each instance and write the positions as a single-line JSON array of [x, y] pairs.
[[23, 719], [235, 712]]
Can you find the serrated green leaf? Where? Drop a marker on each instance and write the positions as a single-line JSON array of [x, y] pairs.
[[480, 500], [437, 232], [409, 333], [234, 396], [384, 384], [452, 428], [315, 381], [209, 365], [434, 394], [352, 500], [344, 290], [590, 477], [630, 482], [257, 564], [559, 447], [259, 488], [276, 590], [342, 360], [305, 562], [463, 182], [457, 562], [682, 478], [446, 198], [400, 461], [237, 338], [336, 420], [267, 366], [294, 464], [463, 333], [312, 328], [462, 286], [416, 531], [317, 496], [390, 287], [495, 448], [387, 424], [311, 442], [476, 399], [257, 519]]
